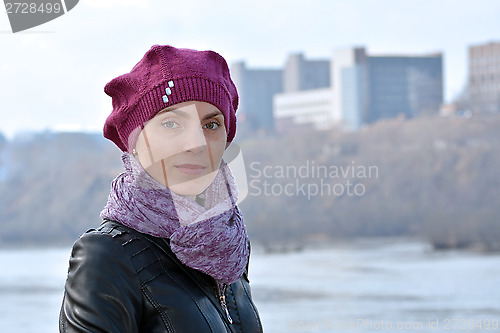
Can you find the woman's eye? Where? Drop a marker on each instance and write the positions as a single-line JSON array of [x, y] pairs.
[[170, 124], [212, 125]]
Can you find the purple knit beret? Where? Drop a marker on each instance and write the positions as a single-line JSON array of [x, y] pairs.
[[166, 76]]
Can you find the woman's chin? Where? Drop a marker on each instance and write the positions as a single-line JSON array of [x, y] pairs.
[[193, 187]]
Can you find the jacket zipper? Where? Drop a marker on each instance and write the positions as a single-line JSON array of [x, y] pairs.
[[222, 300], [221, 293]]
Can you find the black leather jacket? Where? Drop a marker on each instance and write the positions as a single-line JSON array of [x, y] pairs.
[[122, 281]]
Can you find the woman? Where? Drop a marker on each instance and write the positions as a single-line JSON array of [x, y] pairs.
[[172, 252]]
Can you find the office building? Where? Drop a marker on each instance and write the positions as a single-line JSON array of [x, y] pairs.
[[304, 110], [484, 78], [301, 74], [367, 88], [256, 88], [348, 74], [404, 85]]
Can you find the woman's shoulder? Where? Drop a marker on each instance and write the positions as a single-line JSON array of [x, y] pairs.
[[101, 283], [99, 246], [110, 236], [102, 237], [112, 242], [110, 232]]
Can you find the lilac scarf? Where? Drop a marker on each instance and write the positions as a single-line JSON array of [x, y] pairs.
[[210, 238]]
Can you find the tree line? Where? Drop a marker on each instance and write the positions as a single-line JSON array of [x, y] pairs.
[[432, 177]]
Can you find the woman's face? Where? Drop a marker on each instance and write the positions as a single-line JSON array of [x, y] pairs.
[[182, 146]]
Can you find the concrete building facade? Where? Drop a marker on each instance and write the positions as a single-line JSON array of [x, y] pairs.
[[348, 74], [484, 78], [404, 85], [301, 74], [256, 88], [307, 109]]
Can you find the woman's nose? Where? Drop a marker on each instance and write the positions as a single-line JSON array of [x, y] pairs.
[[194, 139]]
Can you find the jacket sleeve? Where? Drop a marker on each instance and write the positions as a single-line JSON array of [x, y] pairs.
[[102, 291]]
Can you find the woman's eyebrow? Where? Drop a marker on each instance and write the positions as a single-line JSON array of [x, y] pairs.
[[212, 114], [178, 112], [185, 114]]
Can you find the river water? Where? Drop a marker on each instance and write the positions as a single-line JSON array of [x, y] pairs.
[[363, 286]]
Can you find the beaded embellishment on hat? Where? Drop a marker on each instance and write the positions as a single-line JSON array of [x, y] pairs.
[[168, 91]]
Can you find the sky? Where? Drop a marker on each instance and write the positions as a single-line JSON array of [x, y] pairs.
[[52, 76]]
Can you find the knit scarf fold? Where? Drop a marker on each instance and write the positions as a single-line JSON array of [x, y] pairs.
[[209, 238]]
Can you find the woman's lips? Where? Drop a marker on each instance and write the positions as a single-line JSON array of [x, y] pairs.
[[192, 169]]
